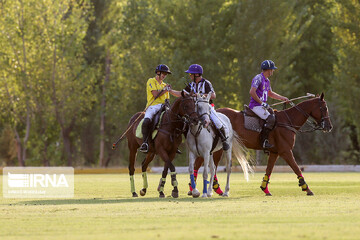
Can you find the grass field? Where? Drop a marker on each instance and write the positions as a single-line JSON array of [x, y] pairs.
[[104, 209]]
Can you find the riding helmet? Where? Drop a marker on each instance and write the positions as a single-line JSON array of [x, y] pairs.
[[268, 64], [195, 69], [162, 68]]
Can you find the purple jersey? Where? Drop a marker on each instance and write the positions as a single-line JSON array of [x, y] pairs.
[[262, 85]]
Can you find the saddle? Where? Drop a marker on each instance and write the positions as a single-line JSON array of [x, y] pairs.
[[155, 123], [252, 121]]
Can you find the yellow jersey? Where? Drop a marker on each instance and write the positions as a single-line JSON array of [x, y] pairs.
[[151, 85]]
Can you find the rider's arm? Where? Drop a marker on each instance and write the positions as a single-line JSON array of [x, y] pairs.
[[175, 93], [254, 95], [209, 89], [213, 95], [277, 96], [155, 93]]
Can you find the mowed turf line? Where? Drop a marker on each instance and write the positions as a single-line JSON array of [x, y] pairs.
[[104, 209]]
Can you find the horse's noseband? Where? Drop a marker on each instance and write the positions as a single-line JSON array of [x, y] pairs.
[[203, 114]]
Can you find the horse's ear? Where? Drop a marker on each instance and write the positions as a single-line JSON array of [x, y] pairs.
[[183, 94], [322, 96]]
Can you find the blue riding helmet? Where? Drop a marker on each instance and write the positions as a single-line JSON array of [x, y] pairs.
[[195, 69], [162, 68], [268, 64]]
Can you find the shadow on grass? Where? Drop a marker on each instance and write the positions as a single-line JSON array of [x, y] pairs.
[[123, 200]]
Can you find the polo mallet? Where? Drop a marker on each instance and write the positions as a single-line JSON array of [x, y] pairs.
[[122, 136], [306, 96]]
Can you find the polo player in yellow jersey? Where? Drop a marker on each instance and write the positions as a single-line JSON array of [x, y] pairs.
[[157, 92]]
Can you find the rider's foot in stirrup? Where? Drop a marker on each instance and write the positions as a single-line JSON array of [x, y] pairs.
[[144, 147], [267, 145], [226, 146]]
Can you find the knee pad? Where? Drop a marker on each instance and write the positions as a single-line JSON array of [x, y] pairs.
[[270, 121], [146, 122]]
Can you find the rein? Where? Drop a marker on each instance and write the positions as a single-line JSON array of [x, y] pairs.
[[314, 125], [186, 120]]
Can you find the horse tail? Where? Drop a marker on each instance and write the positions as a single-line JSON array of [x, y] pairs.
[[241, 154]]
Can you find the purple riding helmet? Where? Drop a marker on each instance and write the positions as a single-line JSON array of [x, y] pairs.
[[195, 69]]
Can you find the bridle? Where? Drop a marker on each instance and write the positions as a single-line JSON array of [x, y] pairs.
[[200, 126], [196, 108], [186, 119], [315, 125]]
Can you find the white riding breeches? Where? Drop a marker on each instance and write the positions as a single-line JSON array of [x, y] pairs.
[[215, 119], [261, 112], [152, 110]]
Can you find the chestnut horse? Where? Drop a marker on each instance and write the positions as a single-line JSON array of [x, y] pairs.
[[173, 124], [283, 135]]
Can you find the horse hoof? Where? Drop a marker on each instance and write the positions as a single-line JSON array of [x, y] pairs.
[[134, 194], [189, 193], [175, 194], [195, 193], [143, 192], [225, 195], [209, 194], [310, 193], [204, 195], [161, 195], [268, 194]]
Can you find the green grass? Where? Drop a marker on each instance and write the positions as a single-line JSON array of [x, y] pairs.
[[104, 209]]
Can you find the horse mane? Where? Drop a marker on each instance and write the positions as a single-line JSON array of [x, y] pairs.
[[301, 104]]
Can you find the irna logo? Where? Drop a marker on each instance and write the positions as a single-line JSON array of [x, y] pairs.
[[37, 180]]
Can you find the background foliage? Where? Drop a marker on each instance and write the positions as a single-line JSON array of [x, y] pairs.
[[73, 72]]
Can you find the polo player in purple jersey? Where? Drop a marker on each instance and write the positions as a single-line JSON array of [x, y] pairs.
[[260, 91]]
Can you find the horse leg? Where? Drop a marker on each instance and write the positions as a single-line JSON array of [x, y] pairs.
[[194, 192], [216, 186], [212, 174], [149, 157], [162, 181], [289, 158], [174, 182], [270, 166], [132, 157], [198, 163], [228, 172], [205, 174]]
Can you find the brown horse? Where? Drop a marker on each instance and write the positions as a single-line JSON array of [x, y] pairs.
[[289, 122], [173, 123]]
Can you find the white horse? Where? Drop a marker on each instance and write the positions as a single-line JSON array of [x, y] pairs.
[[200, 140]]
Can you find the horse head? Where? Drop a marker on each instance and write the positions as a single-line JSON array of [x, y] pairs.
[[186, 108], [321, 115], [202, 108]]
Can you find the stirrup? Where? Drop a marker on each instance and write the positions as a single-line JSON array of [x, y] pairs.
[[178, 151], [267, 145], [144, 147]]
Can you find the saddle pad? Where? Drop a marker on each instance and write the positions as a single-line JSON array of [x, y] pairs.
[[138, 132], [252, 123]]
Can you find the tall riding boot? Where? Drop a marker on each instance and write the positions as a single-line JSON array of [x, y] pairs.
[[264, 138], [224, 138], [145, 129]]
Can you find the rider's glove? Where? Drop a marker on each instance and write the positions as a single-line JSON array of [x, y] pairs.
[[265, 105]]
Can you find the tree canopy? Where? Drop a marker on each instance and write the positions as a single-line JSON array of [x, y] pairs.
[[74, 72]]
